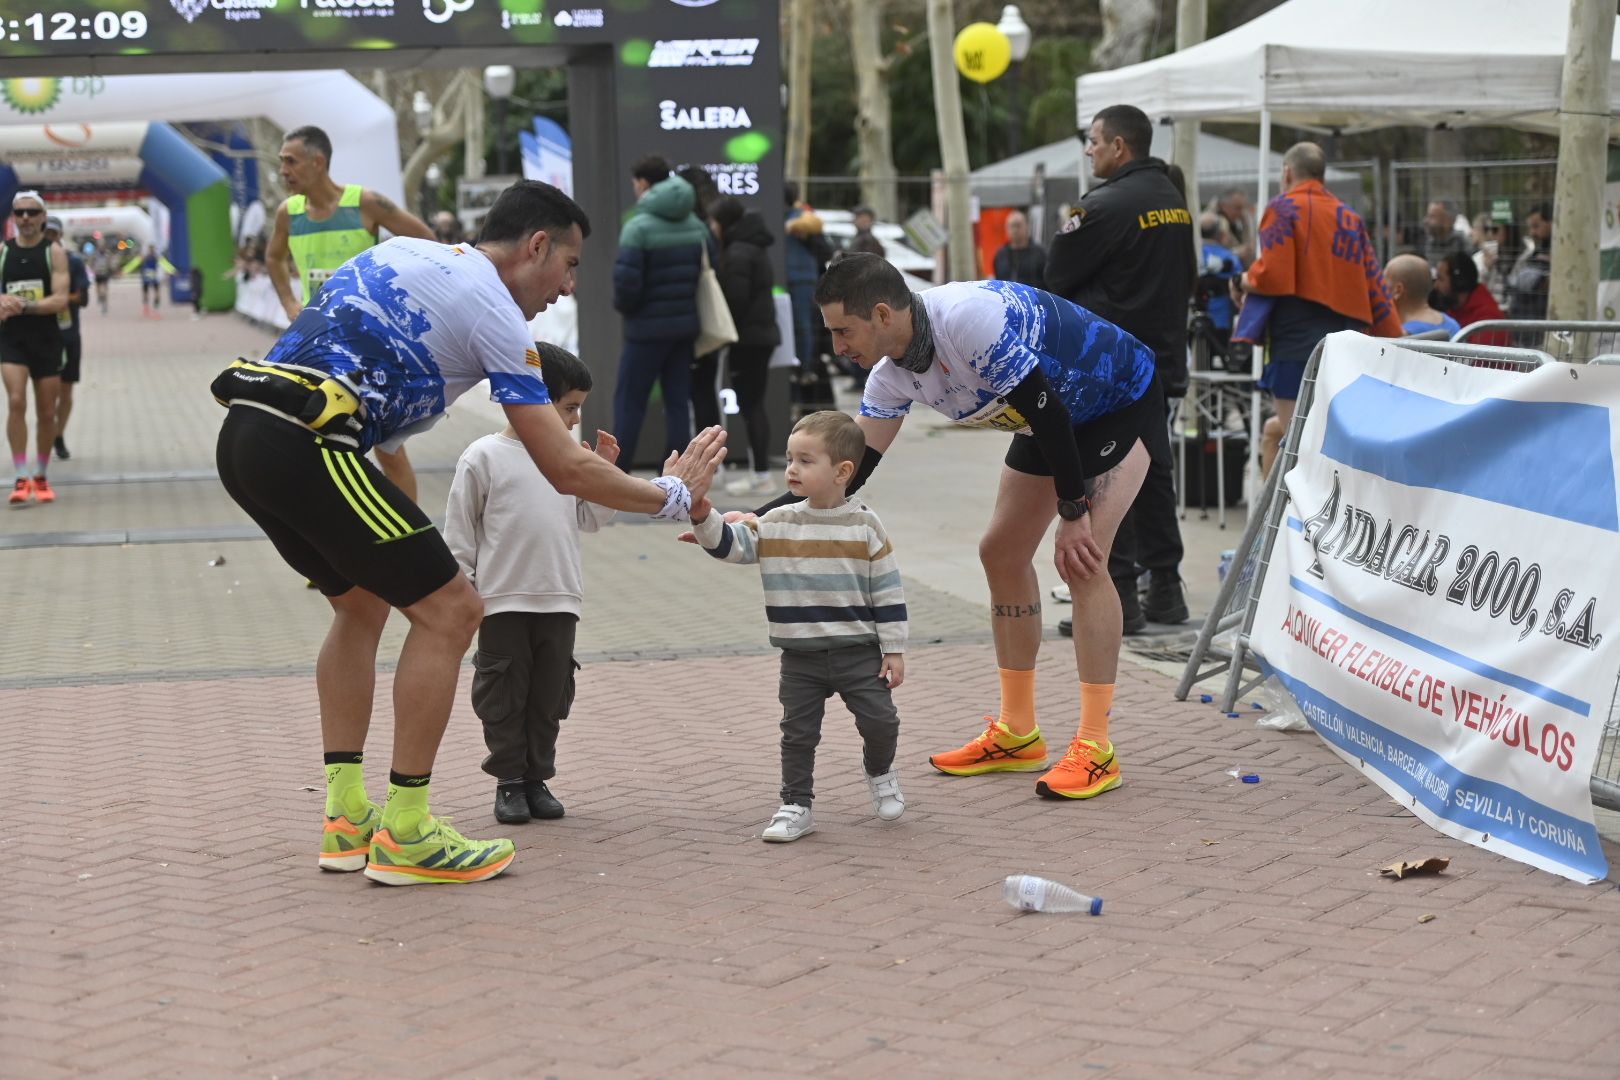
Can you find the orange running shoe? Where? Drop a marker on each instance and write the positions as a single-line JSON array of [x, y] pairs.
[[22, 493], [997, 750], [42, 490], [1087, 770]]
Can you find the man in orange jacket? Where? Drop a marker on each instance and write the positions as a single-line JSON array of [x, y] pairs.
[[1319, 273]]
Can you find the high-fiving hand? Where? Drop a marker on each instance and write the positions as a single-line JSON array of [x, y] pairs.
[[695, 466]]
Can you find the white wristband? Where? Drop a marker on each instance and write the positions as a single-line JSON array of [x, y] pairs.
[[677, 499]]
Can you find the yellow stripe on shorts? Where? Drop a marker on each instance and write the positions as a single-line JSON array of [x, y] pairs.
[[335, 470], [360, 484]]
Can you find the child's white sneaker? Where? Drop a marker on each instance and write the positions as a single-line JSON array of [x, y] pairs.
[[886, 797], [791, 822]]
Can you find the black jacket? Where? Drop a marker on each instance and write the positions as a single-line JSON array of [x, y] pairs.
[[745, 277], [1027, 266], [1127, 255]]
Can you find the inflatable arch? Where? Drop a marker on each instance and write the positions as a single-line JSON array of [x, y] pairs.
[[363, 129], [194, 189]]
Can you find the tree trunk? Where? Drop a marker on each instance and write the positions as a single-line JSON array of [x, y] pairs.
[[801, 38], [874, 121], [449, 128], [953, 153], [1583, 139], [1127, 25]]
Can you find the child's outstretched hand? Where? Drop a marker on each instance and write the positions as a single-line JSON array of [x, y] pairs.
[[606, 448], [893, 671], [731, 518]]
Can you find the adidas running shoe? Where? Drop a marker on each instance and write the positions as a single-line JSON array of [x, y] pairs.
[[439, 855], [345, 843]]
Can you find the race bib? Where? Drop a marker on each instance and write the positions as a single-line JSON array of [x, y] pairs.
[[27, 289], [997, 415], [316, 279]]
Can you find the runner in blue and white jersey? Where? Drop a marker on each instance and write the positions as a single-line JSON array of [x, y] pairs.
[[396, 335], [1078, 394]]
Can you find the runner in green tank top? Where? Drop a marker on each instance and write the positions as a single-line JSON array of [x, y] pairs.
[[321, 226]]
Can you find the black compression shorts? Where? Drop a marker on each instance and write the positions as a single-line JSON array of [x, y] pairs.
[[1103, 442], [331, 514], [42, 356]]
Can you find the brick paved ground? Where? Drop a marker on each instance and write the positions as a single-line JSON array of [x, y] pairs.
[[160, 913]]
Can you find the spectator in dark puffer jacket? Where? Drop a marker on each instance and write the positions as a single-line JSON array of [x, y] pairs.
[[655, 289], [748, 281]]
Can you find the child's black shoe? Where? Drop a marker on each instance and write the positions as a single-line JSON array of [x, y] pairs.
[[543, 805], [511, 807]]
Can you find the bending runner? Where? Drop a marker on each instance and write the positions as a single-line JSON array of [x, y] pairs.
[[397, 334], [323, 225], [1078, 393]]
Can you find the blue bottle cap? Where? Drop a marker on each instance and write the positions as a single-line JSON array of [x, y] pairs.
[[1231, 716], [1206, 698], [1251, 778], [1096, 905]]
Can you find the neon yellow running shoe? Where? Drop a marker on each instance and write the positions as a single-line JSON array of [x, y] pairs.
[[439, 855], [344, 843]]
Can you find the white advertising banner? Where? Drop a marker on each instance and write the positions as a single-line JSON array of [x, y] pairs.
[[1437, 597]]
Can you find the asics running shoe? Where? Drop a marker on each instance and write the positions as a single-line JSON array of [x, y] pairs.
[[1086, 770], [42, 490], [345, 843], [438, 856], [22, 492], [997, 750]]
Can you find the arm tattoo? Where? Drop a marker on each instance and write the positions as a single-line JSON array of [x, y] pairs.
[[1015, 611], [385, 205]]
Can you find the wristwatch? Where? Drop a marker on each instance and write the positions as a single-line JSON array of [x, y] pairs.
[[1072, 509]]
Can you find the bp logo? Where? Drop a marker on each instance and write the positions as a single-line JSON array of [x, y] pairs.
[[31, 95]]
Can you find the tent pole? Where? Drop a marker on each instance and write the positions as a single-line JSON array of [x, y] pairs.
[[1265, 168], [1257, 478]]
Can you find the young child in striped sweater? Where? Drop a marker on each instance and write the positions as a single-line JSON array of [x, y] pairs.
[[836, 610]]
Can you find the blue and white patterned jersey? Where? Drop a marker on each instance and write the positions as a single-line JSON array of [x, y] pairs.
[[413, 325], [988, 337]]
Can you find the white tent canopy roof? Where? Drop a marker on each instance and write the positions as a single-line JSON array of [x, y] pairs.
[[1373, 63]]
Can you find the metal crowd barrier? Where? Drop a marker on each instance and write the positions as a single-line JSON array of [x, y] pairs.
[[1223, 640], [1573, 342]]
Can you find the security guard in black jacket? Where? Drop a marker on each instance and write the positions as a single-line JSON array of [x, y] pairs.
[[1126, 254]]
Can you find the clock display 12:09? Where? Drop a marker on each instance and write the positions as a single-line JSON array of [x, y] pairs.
[[64, 26]]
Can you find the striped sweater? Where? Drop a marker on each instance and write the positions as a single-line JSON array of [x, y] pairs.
[[830, 575]]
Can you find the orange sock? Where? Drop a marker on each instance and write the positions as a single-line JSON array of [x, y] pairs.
[[1017, 700], [1095, 701]]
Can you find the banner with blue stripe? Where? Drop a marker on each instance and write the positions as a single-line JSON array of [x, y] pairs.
[[1438, 601]]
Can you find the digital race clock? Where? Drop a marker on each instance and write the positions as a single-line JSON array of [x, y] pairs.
[[44, 26]]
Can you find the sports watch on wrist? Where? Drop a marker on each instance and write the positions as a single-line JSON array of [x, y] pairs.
[[1072, 509]]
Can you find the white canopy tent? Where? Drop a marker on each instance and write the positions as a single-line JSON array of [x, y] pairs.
[[1349, 67], [1332, 66]]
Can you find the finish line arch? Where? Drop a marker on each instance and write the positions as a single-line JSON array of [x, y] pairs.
[[86, 158]]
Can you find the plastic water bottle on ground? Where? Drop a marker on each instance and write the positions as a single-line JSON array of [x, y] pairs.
[[1225, 566], [1026, 892]]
